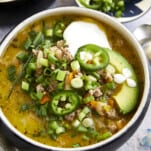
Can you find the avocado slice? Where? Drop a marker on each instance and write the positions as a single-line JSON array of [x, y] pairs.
[[126, 97]]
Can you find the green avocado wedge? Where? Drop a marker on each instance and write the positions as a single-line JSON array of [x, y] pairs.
[[126, 97]]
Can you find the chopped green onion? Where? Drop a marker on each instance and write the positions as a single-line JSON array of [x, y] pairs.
[[110, 85], [49, 33], [81, 128], [61, 75], [43, 110], [103, 136], [11, 71], [77, 83], [64, 65], [76, 145], [39, 95], [83, 113], [75, 66], [20, 75], [67, 126], [50, 131], [53, 125], [27, 43], [60, 130], [32, 66], [76, 123], [87, 99], [33, 95], [40, 79], [46, 45], [86, 138], [60, 86], [22, 57], [86, 110], [81, 116], [25, 85], [96, 75], [118, 13], [29, 78], [43, 62], [91, 85], [53, 135], [88, 122], [52, 58], [47, 72], [38, 39]]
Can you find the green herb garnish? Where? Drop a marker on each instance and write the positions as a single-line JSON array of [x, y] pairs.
[[20, 75], [11, 72]]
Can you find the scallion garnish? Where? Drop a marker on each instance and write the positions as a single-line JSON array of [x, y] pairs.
[[11, 71]]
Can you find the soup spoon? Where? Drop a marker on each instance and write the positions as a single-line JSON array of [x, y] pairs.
[[143, 35]]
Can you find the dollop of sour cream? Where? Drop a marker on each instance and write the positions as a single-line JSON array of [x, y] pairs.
[[79, 33]]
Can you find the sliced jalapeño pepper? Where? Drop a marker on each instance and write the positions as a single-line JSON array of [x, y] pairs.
[[91, 6], [92, 57], [64, 102]]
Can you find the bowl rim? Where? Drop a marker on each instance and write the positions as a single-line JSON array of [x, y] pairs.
[[98, 16], [7, 1]]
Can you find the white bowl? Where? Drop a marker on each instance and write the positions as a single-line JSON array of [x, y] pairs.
[[132, 10], [127, 131]]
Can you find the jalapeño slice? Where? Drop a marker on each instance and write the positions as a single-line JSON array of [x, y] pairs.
[[91, 6], [92, 57], [64, 102]]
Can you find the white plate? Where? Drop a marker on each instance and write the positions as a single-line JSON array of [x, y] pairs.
[[133, 9], [6, 1]]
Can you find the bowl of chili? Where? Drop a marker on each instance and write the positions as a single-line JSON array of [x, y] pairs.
[[93, 94]]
